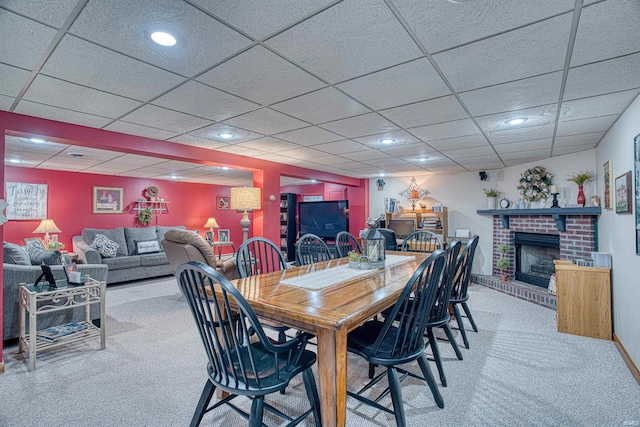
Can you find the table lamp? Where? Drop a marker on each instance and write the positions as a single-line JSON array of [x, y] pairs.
[[46, 226], [245, 199], [211, 223]]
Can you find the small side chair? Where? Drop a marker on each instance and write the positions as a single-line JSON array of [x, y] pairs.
[[460, 286], [422, 241], [311, 248], [345, 243]]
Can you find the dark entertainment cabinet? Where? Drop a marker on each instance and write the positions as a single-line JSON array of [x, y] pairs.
[[288, 225]]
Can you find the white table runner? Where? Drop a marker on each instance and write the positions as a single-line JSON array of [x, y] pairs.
[[342, 273]]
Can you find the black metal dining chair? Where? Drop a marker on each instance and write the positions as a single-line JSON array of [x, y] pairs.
[[345, 243], [391, 244], [310, 248], [460, 287], [400, 338], [422, 241], [237, 364]]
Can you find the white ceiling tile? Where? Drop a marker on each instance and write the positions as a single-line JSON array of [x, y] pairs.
[[137, 160], [537, 144], [347, 164], [442, 25], [195, 141], [515, 95], [65, 167], [447, 169], [240, 151], [6, 102], [583, 139], [204, 101], [28, 146], [606, 30], [212, 133], [469, 141], [365, 155], [483, 166], [435, 159], [52, 12], [426, 112], [603, 77], [272, 145], [12, 80], [58, 93], [519, 134], [107, 70], [92, 153], [411, 82], [261, 76], [603, 105], [536, 116], [469, 152], [60, 114], [385, 163], [348, 40], [311, 135], [161, 118], [201, 40], [527, 155], [446, 130], [135, 129], [561, 151], [29, 40], [594, 124], [339, 147], [418, 150], [399, 137], [321, 106], [266, 121], [542, 49], [305, 153], [367, 124]]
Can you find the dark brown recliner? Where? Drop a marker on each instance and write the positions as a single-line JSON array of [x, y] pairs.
[[182, 246]]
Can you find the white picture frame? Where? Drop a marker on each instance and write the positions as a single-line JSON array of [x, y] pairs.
[[223, 235]]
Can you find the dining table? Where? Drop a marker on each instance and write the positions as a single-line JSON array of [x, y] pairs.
[[329, 299]]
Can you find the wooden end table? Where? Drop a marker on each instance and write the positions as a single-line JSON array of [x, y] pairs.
[[220, 245]]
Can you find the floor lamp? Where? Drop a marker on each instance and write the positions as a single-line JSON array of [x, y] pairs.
[[245, 199]]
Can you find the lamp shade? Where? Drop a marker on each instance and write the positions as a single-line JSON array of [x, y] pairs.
[[47, 226], [245, 198], [211, 223]]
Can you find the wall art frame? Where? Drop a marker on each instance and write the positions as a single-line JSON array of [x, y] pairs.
[[222, 202], [623, 193], [107, 200], [636, 174], [223, 235], [608, 184]]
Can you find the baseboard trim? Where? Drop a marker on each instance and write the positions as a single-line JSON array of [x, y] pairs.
[[625, 356], [1, 367]]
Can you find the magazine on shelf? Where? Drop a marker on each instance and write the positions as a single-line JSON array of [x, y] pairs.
[[55, 333]]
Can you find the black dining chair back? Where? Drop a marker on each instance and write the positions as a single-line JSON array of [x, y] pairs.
[[311, 248], [237, 364], [422, 241], [345, 243], [391, 244], [460, 287], [258, 256], [400, 338]]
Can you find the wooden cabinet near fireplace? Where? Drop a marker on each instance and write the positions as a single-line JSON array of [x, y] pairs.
[[583, 297]]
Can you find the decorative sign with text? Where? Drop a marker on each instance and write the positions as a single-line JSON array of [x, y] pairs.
[[26, 201]]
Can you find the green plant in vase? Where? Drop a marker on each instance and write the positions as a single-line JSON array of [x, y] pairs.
[[503, 262], [581, 178], [492, 195], [144, 216]]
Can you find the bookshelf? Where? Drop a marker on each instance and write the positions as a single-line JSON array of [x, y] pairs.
[[288, 225], [436, 221]]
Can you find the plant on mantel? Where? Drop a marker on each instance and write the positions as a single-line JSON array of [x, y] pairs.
[[581, 178], [492, 195]]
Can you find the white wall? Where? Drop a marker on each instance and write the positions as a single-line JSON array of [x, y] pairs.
[[617, 235], [462, 194]]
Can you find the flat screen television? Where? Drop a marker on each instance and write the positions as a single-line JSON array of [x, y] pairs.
[[325, 219], [402, 227]]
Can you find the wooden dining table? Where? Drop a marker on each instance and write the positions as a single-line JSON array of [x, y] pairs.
[[329, 313]]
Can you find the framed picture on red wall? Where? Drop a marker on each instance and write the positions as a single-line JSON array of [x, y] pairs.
[[222, 202], [107, 200]]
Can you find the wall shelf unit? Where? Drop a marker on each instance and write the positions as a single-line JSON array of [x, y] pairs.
[[158, 207], [288, 225], [437, 221]]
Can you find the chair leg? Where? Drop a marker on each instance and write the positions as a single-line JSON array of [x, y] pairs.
[[203, 403], [456, 310], [257, 407], [452, 340], [431, 382], [312, 394], [372, 370], [469, 316], [436, 356], [396, 397]]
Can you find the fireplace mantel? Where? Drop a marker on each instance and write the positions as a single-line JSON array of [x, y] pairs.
[[558, 214]]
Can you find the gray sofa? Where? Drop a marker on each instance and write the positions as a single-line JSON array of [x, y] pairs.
[[127, 264], [14, 274]]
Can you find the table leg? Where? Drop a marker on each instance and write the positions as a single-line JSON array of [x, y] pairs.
[[103, 315], [32, 331], [21, 321], [332, 369]]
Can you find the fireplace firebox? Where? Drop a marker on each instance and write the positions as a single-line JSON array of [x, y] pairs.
[[534, 257]]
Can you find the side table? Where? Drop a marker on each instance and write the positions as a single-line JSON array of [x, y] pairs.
[[219, 245], [38, 299]]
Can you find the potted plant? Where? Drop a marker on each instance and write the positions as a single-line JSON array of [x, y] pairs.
[[581, 178], [492, 195], [144, 216], [503, 262]]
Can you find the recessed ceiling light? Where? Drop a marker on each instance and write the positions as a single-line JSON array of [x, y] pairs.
[[314, 180], [388, 141], [423, 159], [515, 121], [381, 174], [37, 140], [173, 177], [163, 39], [226, 135], [225, 168], [77, 155], [14, 161]]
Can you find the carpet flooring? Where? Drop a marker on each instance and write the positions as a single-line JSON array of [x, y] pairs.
[[518, 372]]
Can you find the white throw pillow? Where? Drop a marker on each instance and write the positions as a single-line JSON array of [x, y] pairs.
[[147, 246], [106, 247]]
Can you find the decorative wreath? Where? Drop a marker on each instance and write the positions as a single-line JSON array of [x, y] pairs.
[[153, 191], [534, 184]]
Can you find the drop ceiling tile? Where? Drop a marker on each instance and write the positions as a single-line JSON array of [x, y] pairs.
[[476, 160], [58, 93], [367, 124], [135, 129], [384, 163], [426, 112], [447, 169], [399, 137], [201, 40], [446, 130], [305, 153], [602, 105], [606, 30], [266, 121], [212, 132], [321, 106], [519, 134], [195, 141], [60, 114], [348, 40], [368, 170], [536, 116], [347, 165], [561, 151], [603, 77], [418, 150], [537, 144], [469, 141], [52, 12], [583, 139], [340, 147], [261, 76], [66, 167], [401, 167], [528, 155], [271, 157], [28, 146], [106, 70], [492, 61], [12, 80], [204, 101], [136, 160], [469, 152], [311, 135], [403, 84], [484, 166], [161, 118], [6, 102], [29, 40], [595, 124], [442, 25], [241, 151], [517, 95], [363, 156], [272, 145], [91, 153], [430, 161]]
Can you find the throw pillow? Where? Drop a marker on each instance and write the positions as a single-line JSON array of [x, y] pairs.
[[15, 254], [147, 246], [39, 255], [106, 247]]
